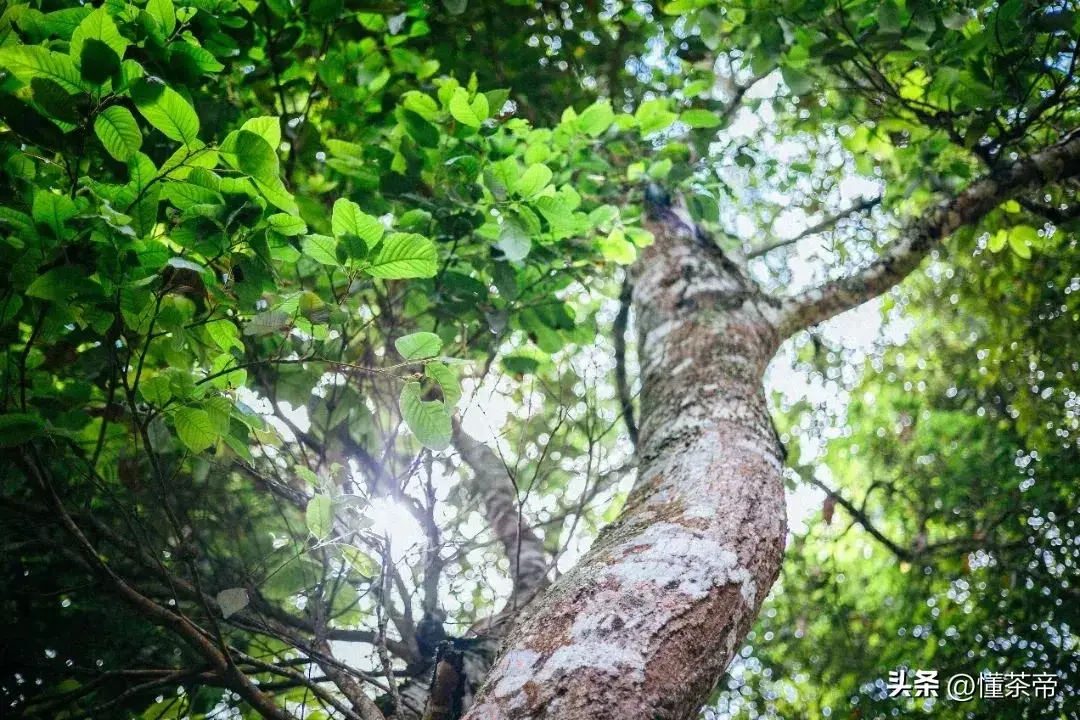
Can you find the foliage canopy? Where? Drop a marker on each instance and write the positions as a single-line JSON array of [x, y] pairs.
[[259, 256]]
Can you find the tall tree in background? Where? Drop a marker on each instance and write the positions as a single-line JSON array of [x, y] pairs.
[[271, 267]]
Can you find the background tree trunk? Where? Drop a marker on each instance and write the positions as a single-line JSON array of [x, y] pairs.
[[645, 624]]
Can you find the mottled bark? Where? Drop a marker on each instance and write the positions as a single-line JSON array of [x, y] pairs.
[[645, 624]]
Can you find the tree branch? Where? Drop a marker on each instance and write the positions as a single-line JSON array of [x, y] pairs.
[[492, 484], [822, 226], [1056, 215], [952, 546], [618, 331], [152, 611], [860, 517], [918, 238]]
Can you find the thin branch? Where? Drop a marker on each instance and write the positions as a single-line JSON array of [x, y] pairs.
[[826, 224], [1056, 215], [146, 607], [382, 615], [491, 483], [618, 331], [918, 238], [952, 546], [860, 517]]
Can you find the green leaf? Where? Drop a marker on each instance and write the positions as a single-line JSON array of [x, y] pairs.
[[268, 127], [1021, 238], [428, 419], [167, 111], [274, 191], [141, 171], [192, 59], [653, 116], [349, 219], [404, 255], [17, 428], [798, 81], [640, 236], [455, 7], [29, 61], [164, 13], [998, 240], [53, 210], [679, 7], [61, 23], [558, 214], [514, 240], [461, 110], [696, 87], [267, 322], [118, 132], [447, 380], [156, 390], [254, 156], [596, 118], [888, 17], [294, 576], [533, 180], [697, 118], [286, 224], [615, 247], [320, 516], [186, 195], [225, 335], [479, 106], [326, 10], [195, 428], [418, 346], [421, 104], [321, 248], [51, 97], [423, 132], [359, 561], [955, 21], [520, 364], [97, 62], [660, 169], [99, 26]]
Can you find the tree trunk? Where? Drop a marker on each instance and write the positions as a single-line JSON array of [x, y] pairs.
[[644, 626]]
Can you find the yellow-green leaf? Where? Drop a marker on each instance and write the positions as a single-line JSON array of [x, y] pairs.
[[418, 346], [461, 110], [115, 126], [320, 516], [428, 419], [404, 255], [195, 428], [166, 110]]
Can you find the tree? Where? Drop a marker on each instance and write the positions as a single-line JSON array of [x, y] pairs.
[[265, 261]]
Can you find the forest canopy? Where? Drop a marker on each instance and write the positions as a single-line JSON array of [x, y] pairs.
[[530, 359]]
